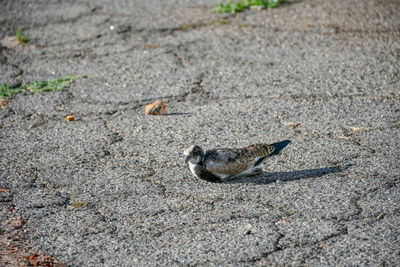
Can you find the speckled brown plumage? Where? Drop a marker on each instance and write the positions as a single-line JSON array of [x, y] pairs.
[[217, 164], [234, 161]]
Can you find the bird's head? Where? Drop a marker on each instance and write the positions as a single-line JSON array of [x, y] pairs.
[[194, 154]]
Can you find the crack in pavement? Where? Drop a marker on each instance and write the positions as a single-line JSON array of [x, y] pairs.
[[342, 230], [9, 61]]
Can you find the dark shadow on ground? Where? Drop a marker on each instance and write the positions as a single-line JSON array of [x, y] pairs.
[[178, 114], [266, 178]]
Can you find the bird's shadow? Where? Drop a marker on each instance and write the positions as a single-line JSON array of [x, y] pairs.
[[266, 177]]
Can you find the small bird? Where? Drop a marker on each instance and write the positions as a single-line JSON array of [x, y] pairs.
[[226, 163]]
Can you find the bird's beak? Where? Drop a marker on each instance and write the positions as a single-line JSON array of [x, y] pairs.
[[187, 159]]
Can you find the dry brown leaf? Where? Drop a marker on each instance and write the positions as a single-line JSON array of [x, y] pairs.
[[294, 125], [356, 130], [12, 42], [4, 103], [70, 118], [151, 46], [156, 108], [17, 224], [42, 260]]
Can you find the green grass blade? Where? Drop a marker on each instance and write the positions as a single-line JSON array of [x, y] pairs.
[[6, 91], [21, 37]]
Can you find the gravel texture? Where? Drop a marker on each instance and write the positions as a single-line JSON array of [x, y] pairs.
[[110, 188]]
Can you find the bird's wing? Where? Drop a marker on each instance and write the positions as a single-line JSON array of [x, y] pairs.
[[233, 161]]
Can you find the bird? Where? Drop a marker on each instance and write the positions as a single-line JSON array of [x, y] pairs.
[[223, 164]]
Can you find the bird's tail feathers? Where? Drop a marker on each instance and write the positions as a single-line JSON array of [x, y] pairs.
[[279, 146]]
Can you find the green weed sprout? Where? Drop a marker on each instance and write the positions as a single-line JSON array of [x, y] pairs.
[[37, 86], [235, 7], [21, 37], [53, 85], [6, 91]]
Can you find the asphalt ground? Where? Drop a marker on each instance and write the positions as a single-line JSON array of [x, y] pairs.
[[111, 187]]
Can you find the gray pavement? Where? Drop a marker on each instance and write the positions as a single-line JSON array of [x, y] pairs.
[[111, 187]]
